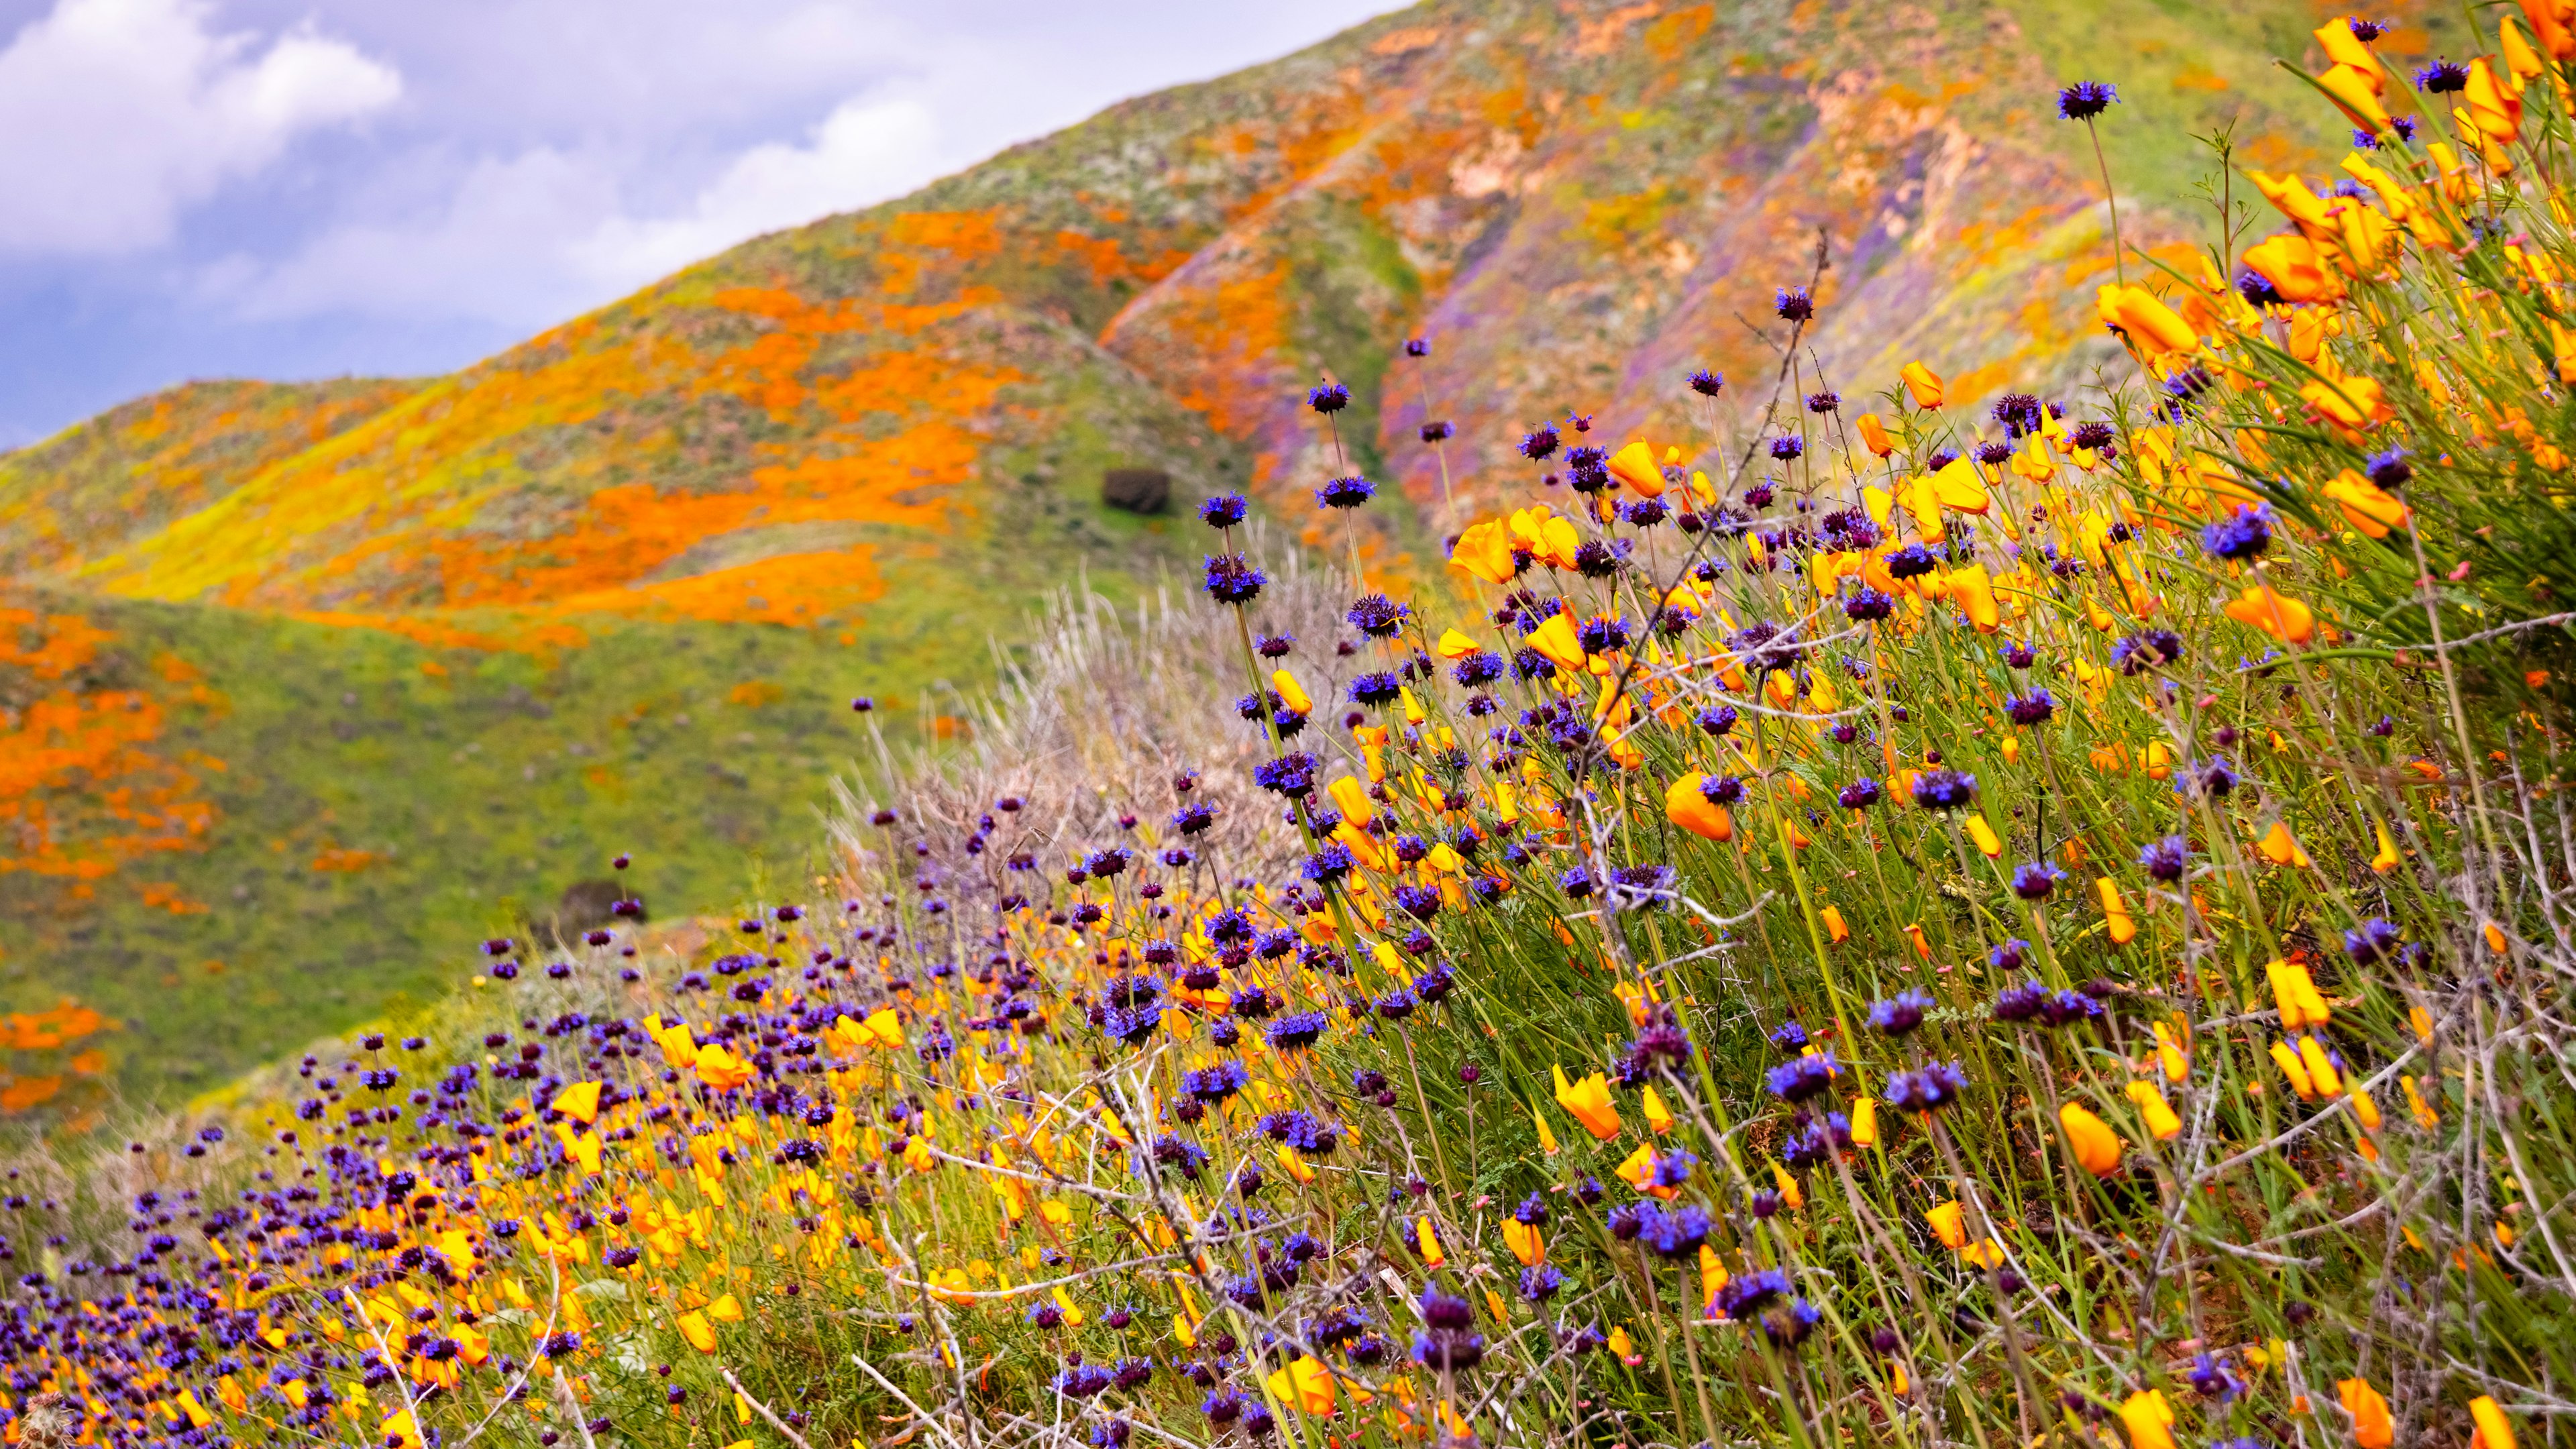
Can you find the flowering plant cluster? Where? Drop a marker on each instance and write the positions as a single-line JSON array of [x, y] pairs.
[[2041, 924]]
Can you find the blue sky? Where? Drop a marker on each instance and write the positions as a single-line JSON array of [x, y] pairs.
[[225, 188]]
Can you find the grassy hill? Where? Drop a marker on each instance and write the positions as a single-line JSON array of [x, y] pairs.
[[464, 637]]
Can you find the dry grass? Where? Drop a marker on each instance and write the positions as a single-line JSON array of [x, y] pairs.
[[1103, 711]]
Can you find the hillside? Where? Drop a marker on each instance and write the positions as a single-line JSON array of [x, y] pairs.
[[612, 588]]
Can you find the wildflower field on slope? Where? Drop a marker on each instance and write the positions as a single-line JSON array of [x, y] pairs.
[[2041, 924]]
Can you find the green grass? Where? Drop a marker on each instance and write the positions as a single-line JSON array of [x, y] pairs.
[[2188, 70], [485, 792]]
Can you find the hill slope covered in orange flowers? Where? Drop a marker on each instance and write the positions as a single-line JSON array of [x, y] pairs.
[[305, 685]]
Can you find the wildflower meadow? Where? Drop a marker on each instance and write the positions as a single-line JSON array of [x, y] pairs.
[[1879, 920]]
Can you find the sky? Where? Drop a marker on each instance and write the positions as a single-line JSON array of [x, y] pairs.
[[295, 189]]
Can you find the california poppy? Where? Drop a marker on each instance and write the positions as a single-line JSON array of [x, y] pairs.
[[1589, 1101], [1634, 465], [2097, 1148], [2275, 613], [1686, 806], [2149, 1099], [2372, 1428]]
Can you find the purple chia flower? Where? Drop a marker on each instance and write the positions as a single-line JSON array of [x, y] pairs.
[[1677, 1233], [2084, 100], [1860, 794], [1328, 399], [1802, 1076], [2212, 1380], [1225, 510], [1944, 789], [2062, 1008], [1169, 1151], [1348, 492], [2032, 708], [1602, 635], [1375, 690], [2443, 77], [2021, 1002], [2036, 880], [1329, 864], [1131, 1025], [1539, 442], [2215, 778], [2371, 941], [2166, 859], [1928, 1088], [1290, 774], [1644, 512], [1911, 561], [1868, 604], [1790, 1327], [1816, 1142], [1230, 580], [1313, 1138], [1707, 383], [1900, 1013], [1297, 1030], [1216, 1083], [2140, 652], [1642, 884], [2242, 535], [1746, 1295], [1378, 616], [1793, 304], [1662, 1039]]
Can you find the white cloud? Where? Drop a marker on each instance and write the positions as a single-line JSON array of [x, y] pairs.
[[115, 115], [545, 234], [494, 251], [864, 152], [612, 142]]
